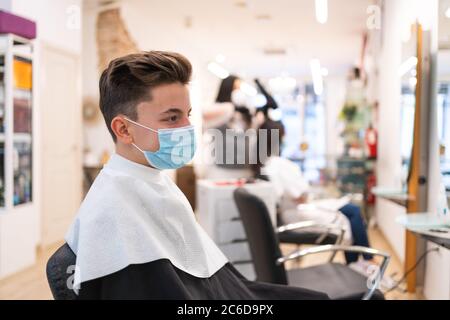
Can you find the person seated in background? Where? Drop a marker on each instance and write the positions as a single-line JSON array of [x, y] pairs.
[[135, 235], [291, 189]]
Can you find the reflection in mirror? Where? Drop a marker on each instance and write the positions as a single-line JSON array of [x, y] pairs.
[[443, 99], [408, 74]]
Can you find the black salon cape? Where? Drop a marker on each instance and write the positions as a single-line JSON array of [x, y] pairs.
[[160, 280]]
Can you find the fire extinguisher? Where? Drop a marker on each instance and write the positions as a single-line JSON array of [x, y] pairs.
[[371, 141]]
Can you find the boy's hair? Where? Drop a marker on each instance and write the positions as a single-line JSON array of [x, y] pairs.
[[128, 80]]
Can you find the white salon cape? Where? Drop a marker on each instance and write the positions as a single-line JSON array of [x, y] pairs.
[[289, 185], [136, 237]]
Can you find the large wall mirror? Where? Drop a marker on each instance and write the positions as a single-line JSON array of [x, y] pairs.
[[443, 99], [408, 78]]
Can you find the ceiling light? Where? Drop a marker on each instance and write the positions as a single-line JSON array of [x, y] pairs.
[[218, 70], [447, 13], [322, 11]]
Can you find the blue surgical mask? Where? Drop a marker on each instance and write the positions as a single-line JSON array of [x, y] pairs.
[[176, 147]]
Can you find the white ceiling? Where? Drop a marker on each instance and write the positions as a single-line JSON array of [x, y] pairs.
[[220, 26]]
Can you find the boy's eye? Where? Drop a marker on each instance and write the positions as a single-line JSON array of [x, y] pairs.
[[173, 118]]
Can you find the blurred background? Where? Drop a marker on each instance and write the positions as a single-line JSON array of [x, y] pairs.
[[357, 86]]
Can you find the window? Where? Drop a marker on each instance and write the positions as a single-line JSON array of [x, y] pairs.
[[303, 115]]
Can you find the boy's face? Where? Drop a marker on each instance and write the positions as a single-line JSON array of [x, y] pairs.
[[168, 108]]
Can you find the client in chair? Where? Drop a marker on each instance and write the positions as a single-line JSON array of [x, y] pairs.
[[135, 235], [292, 188]]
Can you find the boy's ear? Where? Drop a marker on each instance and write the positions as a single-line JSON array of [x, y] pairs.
[[122, 129]]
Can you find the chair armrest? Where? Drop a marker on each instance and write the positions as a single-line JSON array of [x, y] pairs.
[[335, 248], [308, 224], [305, 225]]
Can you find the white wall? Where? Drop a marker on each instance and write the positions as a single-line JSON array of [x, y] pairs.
[[56, 26], [5, 5], [56, 21], [389, 91], [96, 136]]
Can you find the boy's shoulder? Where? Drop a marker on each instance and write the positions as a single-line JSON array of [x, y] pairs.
[[117, 192]]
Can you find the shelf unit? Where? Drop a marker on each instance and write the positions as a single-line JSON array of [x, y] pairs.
[[16, 122], [19, 218]]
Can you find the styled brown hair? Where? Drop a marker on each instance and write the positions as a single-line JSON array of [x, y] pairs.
[[128, 80]]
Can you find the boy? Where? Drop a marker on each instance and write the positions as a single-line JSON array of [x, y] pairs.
[[135, 235]]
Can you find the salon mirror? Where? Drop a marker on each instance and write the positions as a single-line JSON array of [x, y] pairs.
[[408, 79], [443, 98]]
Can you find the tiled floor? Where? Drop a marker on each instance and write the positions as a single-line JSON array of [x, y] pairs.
[[29, 284], [32, 283]]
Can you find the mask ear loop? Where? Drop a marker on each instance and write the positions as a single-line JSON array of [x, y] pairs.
[[140, 125], [137, 147]]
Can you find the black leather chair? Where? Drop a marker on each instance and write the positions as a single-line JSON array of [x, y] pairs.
[[59, 270], [337, 280], [307, 236]]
